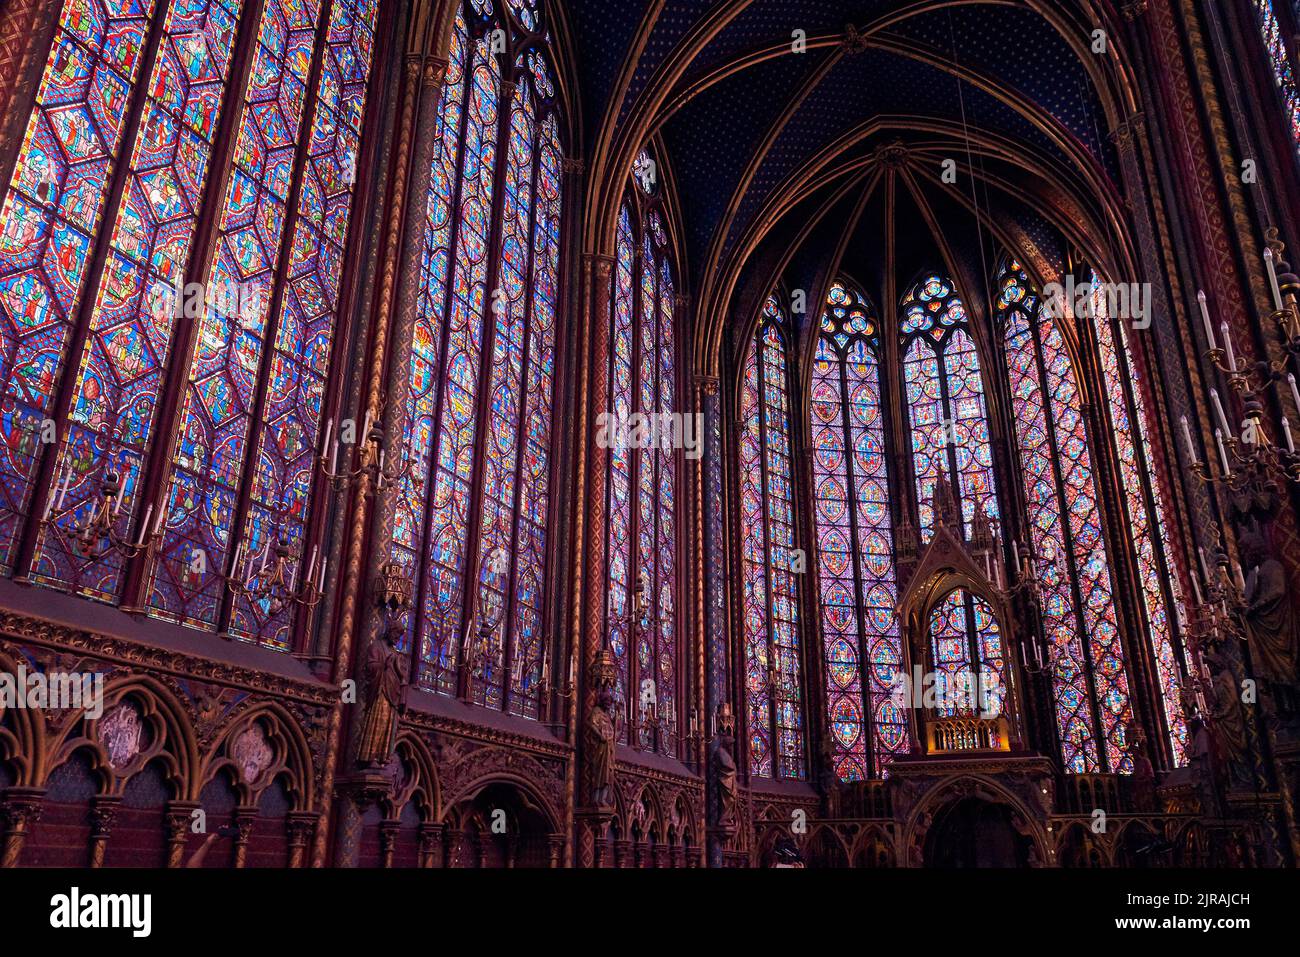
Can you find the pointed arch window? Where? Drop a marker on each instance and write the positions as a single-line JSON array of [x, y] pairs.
[[1086, 659], [645, 464], [1144, 507], [474, 492], [1280, 64], [945, 400], [197, 411], [967, 653], [855, 548], [770, 601]]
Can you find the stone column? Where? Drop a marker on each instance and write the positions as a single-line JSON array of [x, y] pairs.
[[103, 812], [179, 820], [20, 809]]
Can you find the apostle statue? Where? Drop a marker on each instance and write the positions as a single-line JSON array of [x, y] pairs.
[[1144, 773], [599, 740], [385, 672], [723, 766], [1228, 723], [1269, 617]]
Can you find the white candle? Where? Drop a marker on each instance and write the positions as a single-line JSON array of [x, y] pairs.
[[1205, 316], [1196, 589], [1015, 550], [1187, 440], [144, 526], [1240, 579], [63, 492], [329, 430], [1227, 347], [1223, 454], [1218, 410], [1272, 278], [157, 524], [1295, 390], [1286, 433]]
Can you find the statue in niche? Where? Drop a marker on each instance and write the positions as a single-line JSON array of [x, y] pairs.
[[385, 671], [1268, 617], [599, 739], [723, 766]]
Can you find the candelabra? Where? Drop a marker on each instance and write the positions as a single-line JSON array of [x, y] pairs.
[[1249, 465], [370, 458], [95, 533], [564, 690], [1031, 582], [274, 584]]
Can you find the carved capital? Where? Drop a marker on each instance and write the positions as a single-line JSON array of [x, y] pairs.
[[435, 71], [707, 384], [602, 265], [1133, 9], [1124, 136]]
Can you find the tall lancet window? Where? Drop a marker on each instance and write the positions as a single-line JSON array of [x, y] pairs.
[[945, 400], [1145, 509], [179, 367], [770, 604], [474, 490], [1280, 64], [855, 546], [1086, 655], [645, 462]]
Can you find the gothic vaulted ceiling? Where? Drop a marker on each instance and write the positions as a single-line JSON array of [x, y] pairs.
[[762, 141]]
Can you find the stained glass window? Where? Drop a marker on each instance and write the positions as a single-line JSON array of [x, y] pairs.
[[474, 486], [968, 660], [773, 661], [243, 375], [945, 400], [52, 213], [644, 462], [1280, 63], [1086, 656], [1145, 511], [855, 549], [121, 298]]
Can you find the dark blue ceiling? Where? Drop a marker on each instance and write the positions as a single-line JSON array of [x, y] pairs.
[[710, 141]]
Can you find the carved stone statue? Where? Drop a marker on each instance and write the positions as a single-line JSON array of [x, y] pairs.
[[385, 672], [1269, 617], [723, 766], [1144, 773], [1228, 722], [599, 740]]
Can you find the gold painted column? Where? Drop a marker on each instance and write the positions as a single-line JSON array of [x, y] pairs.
[[422, 85], [598, 273]]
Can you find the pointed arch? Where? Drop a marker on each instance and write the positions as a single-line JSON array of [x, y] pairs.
[[770, 603], [855, 548]]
